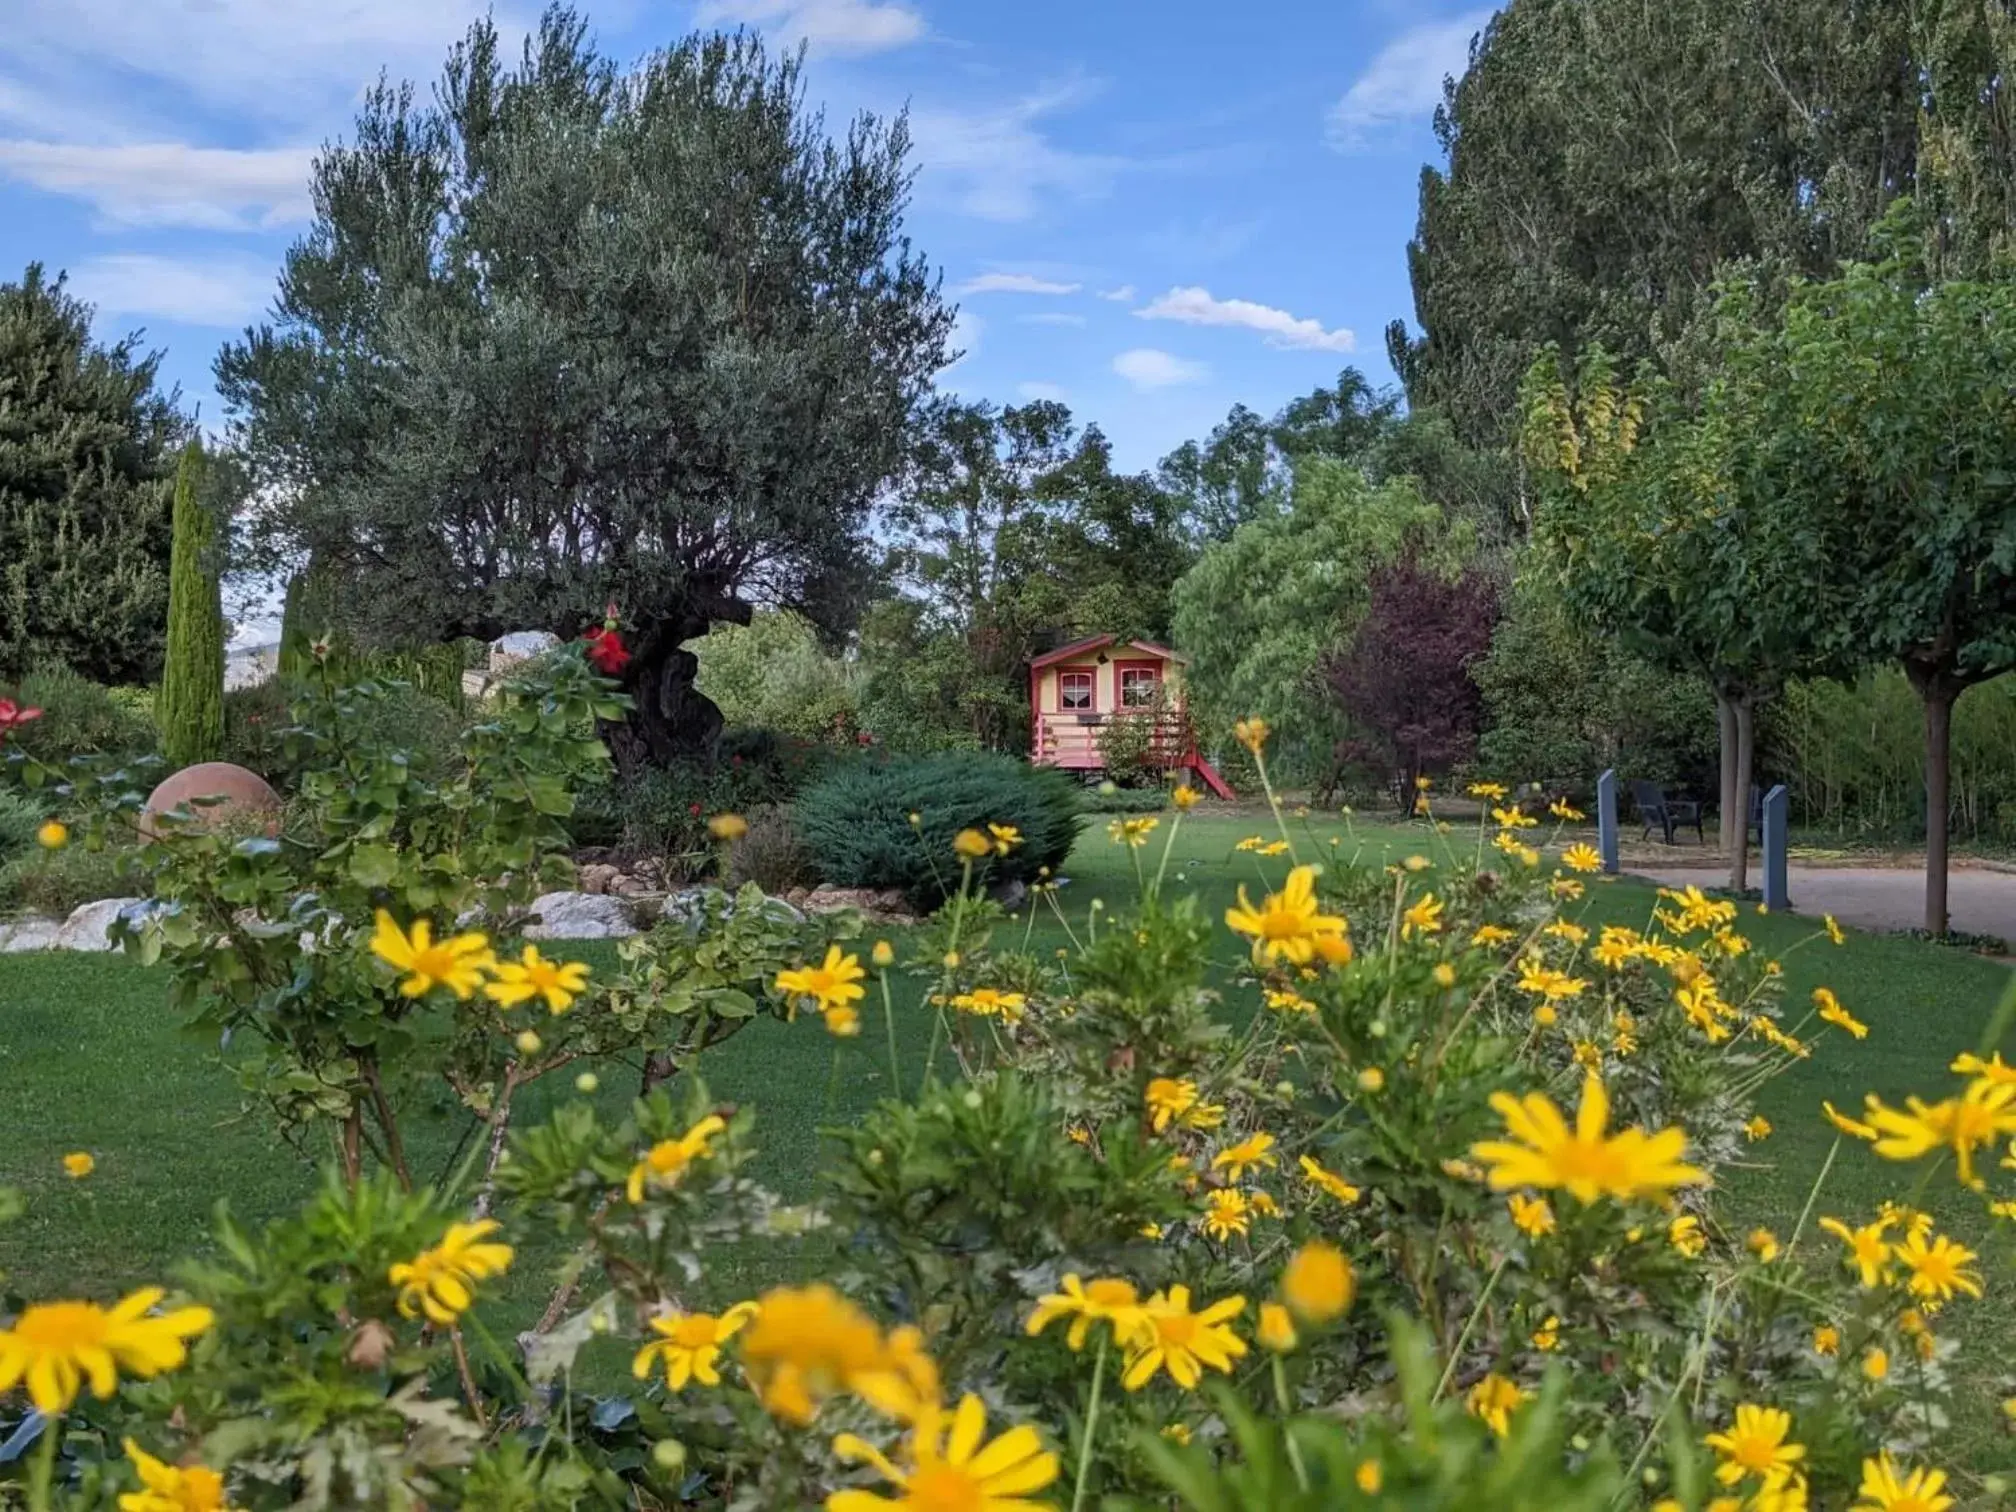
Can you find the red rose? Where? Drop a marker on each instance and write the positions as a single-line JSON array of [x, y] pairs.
[[606, 651], [693, 809], [12, 714]]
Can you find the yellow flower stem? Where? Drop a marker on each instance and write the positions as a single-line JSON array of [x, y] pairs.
[[1694, 1370], [1168, 845], [1140, 880], [1287, 1437], [1274, 803], [1469, 1327], [1998, 1022], [947, 982], [471, 1395], [1063, 919], [1813, 1196], [889, 1022], [1091, 1424], [937, 1034], [42, 1469], [833, 1082], [487, 1341]]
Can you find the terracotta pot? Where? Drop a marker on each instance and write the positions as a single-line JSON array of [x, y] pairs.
[[240, 794]]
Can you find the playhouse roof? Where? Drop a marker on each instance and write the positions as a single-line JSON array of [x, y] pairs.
[[1100, 642]]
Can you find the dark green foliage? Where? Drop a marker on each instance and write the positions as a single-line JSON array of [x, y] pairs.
[[1562, 704], [255, 727], [855, 822], [87, 444], [79, 717], [404, 718], [54, 883], [669, 313], [661, 813], [20, 817], [191, 702], [1606, 158], [1124, 800], [1854, 757]]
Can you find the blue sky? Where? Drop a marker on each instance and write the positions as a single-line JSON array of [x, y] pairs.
[[1147, 210]]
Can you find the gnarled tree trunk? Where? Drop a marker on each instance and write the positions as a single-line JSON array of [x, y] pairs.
[[673, 720]]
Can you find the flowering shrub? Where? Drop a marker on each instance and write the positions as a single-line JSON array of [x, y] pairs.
[[1420, 1212]]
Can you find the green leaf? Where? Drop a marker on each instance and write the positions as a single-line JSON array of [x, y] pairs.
[[373, 865]]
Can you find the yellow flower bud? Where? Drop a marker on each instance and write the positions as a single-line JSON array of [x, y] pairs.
[[527, 1042]]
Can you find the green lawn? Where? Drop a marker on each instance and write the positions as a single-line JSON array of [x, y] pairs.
[[90, 1058]]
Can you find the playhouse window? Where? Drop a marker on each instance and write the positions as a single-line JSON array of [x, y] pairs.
[[1138, 687], [1074, 690]]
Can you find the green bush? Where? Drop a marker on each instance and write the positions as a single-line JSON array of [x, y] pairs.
[[855, 822], [20, 817], [1122, 800], [56, 882], [774, 672], [769, 854], [255, 722], [79, 717], [404, 718], [1561, 705], [1854, 758]]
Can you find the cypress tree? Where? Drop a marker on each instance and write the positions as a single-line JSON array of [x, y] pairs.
[[87, 449], [191, 707]]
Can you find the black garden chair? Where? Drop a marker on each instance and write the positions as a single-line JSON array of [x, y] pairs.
[[1670, 814]]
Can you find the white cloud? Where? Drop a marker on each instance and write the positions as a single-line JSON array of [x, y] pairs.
[[269, 61], [1195, 306], [226, 294], [1034, 389], [1015, 283], [997, 164], [1052, 318], [825, 26], [1403, 84], [169, 183], [1121, 295], [1150, 368]]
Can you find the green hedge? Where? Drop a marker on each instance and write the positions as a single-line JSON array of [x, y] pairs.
[[80, 717], [855, 822]]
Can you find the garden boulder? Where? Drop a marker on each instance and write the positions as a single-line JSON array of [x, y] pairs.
[[580, 916], [29, 934], [89, 928]]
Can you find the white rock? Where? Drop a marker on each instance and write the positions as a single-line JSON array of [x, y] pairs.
[[518, 646], [29, 934], [580, 916], [89, 927]]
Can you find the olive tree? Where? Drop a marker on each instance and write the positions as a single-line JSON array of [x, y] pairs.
[[572, 335]]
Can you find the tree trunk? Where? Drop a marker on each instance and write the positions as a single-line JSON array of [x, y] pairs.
[[1726, 718], [673, 720], [1738, 833], [1939, 697]]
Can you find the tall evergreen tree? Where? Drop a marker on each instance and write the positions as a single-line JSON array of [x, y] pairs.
[[1605, 158], [191, 705], [86, 448], [571, 335]]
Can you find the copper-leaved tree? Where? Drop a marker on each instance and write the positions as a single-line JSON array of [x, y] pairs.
[[1404, 682]]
